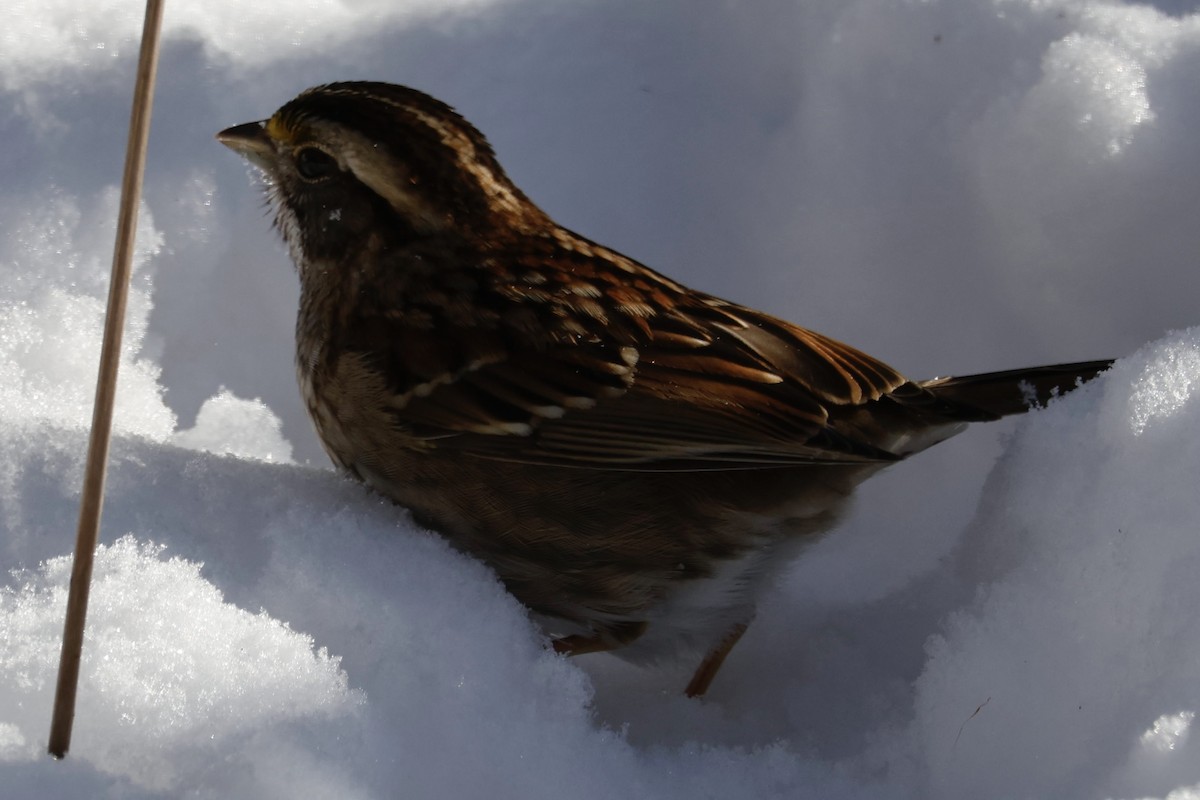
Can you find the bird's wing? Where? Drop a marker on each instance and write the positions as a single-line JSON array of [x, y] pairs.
[[719, 387], [664, 380]]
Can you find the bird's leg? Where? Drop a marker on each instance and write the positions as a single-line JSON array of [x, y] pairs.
[[712, 662], [608, 639], [578, 644]]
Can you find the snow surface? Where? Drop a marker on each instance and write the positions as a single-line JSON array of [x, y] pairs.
[[954, 186]]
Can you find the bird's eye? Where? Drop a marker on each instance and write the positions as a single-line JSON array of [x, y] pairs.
[[313, 164]]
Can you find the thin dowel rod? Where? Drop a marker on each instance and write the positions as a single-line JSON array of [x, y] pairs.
[[106, 386]]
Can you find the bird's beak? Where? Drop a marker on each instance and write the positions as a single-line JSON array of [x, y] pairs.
[[251, 142]]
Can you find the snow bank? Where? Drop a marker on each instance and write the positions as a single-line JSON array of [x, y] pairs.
[[951, 185]]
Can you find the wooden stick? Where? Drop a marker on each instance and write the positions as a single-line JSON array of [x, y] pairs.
[[106, 386]]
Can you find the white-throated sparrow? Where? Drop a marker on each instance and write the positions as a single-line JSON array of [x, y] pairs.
[[632, 457]]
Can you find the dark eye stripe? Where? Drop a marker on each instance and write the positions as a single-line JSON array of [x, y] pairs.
[[315, 164]]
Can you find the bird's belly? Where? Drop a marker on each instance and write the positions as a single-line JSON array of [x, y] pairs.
[[688, 554], [698, 613]]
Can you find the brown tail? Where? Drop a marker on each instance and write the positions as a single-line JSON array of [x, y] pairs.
[[997, 394]]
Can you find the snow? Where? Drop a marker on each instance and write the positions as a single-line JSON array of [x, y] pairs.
[[953, 185]]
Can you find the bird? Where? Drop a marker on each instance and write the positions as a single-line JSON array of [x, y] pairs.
[[636, 460]]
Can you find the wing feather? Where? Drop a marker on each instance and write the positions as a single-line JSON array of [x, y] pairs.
[[662, 379]]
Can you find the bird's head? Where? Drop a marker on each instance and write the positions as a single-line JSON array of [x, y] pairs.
[[346, 161]]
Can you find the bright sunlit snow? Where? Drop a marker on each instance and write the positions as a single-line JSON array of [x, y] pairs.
[[954, 186]]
